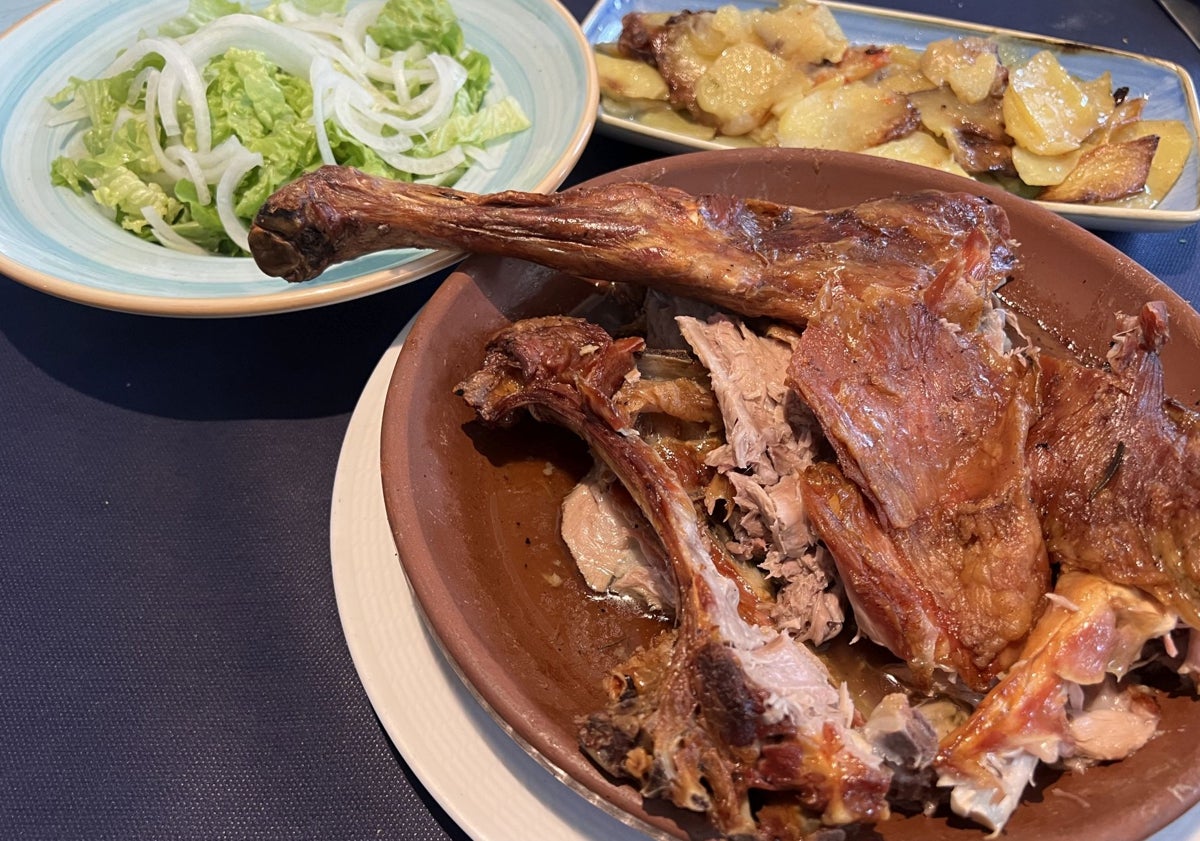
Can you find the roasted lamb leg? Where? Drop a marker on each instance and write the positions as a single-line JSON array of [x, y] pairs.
[[752, 257], [1116, 469], [723, 706]]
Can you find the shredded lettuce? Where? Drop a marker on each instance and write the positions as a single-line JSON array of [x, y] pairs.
[[339, 104]]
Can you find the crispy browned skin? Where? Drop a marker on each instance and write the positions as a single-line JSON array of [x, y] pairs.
[[753, 257], [928, 518], [1093, 629], [725, 707], [1116, 469]]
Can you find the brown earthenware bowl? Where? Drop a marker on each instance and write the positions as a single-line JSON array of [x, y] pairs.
[[475, 511]]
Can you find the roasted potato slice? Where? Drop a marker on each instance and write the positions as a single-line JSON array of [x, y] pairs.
[[1048, 111], [968, 66], [627, 78], [1044, 170], [737, 89], [1174, 147], [918, 148], [848, 118], [1127, 112], [902, 74], [800, 32], [1106, 172], [974, 132]]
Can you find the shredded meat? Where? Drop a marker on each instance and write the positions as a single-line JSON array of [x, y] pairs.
[[770, 439], [732, 706]]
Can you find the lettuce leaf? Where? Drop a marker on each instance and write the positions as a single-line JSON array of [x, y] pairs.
[[489, 123], [198, 14], [432, 23]]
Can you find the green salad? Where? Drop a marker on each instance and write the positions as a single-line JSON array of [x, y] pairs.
[[190, 129]]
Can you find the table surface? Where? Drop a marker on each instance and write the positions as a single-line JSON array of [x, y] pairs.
[[171, 659]]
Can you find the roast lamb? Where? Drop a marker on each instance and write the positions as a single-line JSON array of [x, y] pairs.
[[1012, 525], [747, 255]]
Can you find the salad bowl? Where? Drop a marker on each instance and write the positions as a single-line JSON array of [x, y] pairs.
[[63, 244]]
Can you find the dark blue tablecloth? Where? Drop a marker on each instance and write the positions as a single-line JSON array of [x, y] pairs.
[[171, 660]]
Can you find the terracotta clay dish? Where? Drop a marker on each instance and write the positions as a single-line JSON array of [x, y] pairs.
[[475, 511]]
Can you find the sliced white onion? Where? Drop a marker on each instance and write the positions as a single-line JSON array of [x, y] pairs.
[[434, 165], [354, 40], [138, 83], [437, 100], [320, 24], [185, 76], [166, 235], [321, 78], [124, 115], [73, 113], [242, 163], [361, 127], [213, 163], [186, 158], [169, 166], [400, 81], [487, 158]]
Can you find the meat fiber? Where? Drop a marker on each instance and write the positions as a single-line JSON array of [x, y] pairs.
[[770, 439], [1116, 469], [928, 512], [727, 706], [749, 256]]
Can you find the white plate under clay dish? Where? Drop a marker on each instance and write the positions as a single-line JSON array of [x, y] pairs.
[[60, 243], [1168, 89], [448, 739]]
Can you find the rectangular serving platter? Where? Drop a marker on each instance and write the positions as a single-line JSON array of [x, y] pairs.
[[1169, 91]]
